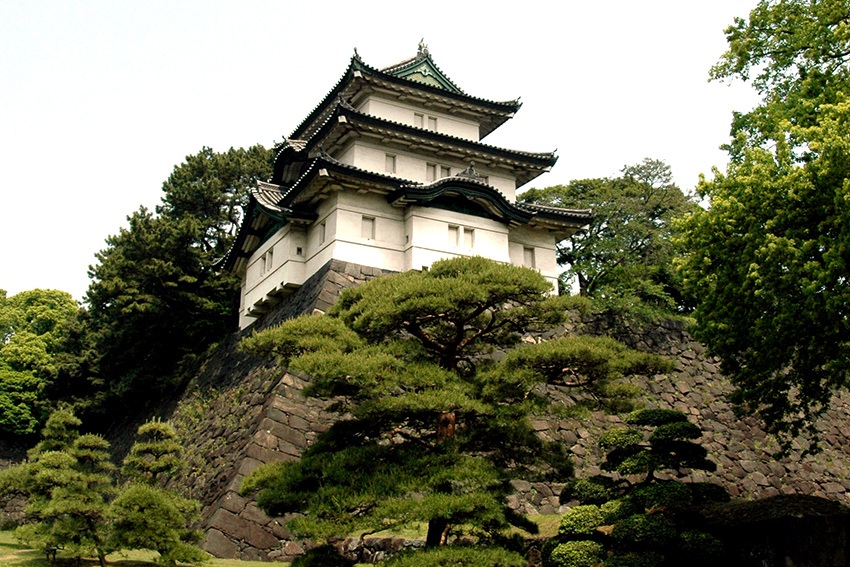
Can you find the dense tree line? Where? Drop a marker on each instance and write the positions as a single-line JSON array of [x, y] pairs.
[[627, 253], [769, 258], [154, 304]]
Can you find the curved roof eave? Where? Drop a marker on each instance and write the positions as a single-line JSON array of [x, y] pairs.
[[357, 68], [532, 163], [490, 199]]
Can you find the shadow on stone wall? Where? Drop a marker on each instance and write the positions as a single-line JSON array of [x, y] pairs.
[[242, 411]]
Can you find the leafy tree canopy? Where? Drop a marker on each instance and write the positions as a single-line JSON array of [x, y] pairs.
[[627, 249], [213, 187], [67, 481], [33, 325], [73, 503], [154, 299], [769, 259], [434, 428]]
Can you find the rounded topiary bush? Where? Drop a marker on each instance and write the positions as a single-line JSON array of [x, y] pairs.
[[581, 521], [615, 510], [581, 553], [644, 531], [635, 560], [663, 494], [593, 490]]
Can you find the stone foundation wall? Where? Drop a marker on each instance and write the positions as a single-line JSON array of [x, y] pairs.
[[242, 411], [258, 415]]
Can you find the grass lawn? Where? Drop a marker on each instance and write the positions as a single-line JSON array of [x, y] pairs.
[[13, 554]]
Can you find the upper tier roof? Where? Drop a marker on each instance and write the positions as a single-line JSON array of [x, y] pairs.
[[523, 166], [418, 80]]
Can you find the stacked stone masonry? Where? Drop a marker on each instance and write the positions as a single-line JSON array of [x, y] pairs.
[[242, 411], [269, 420]]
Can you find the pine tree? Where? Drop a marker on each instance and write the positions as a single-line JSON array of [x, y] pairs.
[[146, 515], [435, 427]]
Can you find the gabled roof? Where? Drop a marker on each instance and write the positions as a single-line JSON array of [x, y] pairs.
[[422, 69], [406, 79], [344, 119]]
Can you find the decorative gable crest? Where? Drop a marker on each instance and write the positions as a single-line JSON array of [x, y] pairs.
[[422, 69]]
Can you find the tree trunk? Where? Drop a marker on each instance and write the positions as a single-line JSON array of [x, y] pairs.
[[438, 529]]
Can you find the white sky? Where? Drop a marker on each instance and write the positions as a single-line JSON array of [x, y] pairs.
[[99, 100]]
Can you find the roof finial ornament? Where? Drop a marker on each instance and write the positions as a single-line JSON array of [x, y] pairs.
[[357, 55], [345, 104], [423, 49], [470, 172]]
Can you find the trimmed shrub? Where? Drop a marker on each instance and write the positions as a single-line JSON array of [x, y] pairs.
[[663, 494], [616, 510], [593, 490], [577, 554], [581, 521], [644, 531]]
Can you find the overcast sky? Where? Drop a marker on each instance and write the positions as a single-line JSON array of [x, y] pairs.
[[99, 100]]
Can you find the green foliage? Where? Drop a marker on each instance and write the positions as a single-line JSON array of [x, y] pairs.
[[156, 452], [213, 187], [32, 326], [769, 258], [594, 490], [668, 446], [458, 557], [592, 364], [644, 532], [155, 300], [149, 517], [644, 523], [618, 509], [69, 482], [581, 553], [581, 521], [626, 254], [662, 494], [434, 429]]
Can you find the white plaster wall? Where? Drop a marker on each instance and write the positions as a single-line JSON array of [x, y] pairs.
[[414, 167], [544, 245], [287, 271], [403, 113], [430, 238], [505, 185]]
